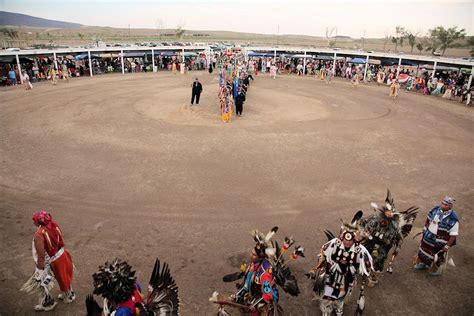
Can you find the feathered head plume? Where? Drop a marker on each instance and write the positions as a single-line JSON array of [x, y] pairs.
[[115, 281], [298, 252], [389, 204], [349, 230], [405, 218], [264, 246], [289, 241]]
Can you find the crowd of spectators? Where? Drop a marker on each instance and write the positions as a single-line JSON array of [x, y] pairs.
[[41, 68], [449, 83]]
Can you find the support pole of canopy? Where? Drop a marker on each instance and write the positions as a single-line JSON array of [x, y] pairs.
[[182, 61], [304, 63], [153, 59], [334, 65], [90, 62], [121, 60], [274, 55], [434, 69], [469, 82], [19, 68], [55, 60], [398, 68], [208, 57], [366, 65]]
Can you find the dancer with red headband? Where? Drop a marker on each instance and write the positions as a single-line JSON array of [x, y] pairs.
[[52, 261]]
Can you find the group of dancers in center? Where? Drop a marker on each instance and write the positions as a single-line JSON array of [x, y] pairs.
[[234, 82], [363, 248]]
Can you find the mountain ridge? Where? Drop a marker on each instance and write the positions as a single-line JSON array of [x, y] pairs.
[[19, 19]]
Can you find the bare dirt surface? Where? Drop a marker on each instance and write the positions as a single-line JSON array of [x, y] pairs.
[[128, 169]]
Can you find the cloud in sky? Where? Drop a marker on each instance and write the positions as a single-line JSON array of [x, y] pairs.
[[308, 17]]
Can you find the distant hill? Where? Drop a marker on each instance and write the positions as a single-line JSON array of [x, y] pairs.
[[17, 19]]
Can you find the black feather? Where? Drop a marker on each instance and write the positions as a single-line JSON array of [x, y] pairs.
[[287, 281], [409, 216], [233, 277], [357, 217], [93, 309], [277, 250], [329, 235], [389, 199], [115, 281], [163, 292], [319, 282]]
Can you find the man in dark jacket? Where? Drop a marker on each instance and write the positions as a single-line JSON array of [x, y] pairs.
[[196, 93], [239, 103]]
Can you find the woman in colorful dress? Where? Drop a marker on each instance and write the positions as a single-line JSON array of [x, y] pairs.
[[394, 87]]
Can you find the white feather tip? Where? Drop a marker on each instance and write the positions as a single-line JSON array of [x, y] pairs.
[[214, 296], [451, 262], [270, 252], [271, 233]]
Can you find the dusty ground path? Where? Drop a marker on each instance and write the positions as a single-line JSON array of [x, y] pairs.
[[130, 170]]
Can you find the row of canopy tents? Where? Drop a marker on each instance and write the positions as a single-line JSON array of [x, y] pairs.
[[383, 61], [85, 56], [134, 55]]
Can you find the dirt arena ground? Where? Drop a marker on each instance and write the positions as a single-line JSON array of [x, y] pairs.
[[130, 170]]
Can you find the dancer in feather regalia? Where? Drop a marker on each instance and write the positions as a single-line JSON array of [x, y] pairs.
[[117, 284], [385, 230], [267, 270], [226, 67], [52, 261], [230, 83], [341, 259]]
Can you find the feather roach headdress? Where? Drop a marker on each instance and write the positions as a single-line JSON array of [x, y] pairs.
[[349, 230], [405, 218], [264, 246], [115, 281], [388, 206]]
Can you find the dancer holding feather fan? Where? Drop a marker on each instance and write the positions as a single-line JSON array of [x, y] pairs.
[[267, 270]]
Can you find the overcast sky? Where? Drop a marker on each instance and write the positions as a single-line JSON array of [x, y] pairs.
[[309, 17]]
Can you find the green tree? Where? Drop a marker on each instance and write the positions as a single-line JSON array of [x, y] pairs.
[[470, 43], [420, 47], [11, 33], [411, 38], [399, 37], [80, 35], [441, 38], [179, 32]]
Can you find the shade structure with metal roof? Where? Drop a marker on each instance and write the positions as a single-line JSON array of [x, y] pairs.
[[357, 61], [265, 51], [85, 56]]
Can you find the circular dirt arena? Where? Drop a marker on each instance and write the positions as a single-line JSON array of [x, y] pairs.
[[129, 169]]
